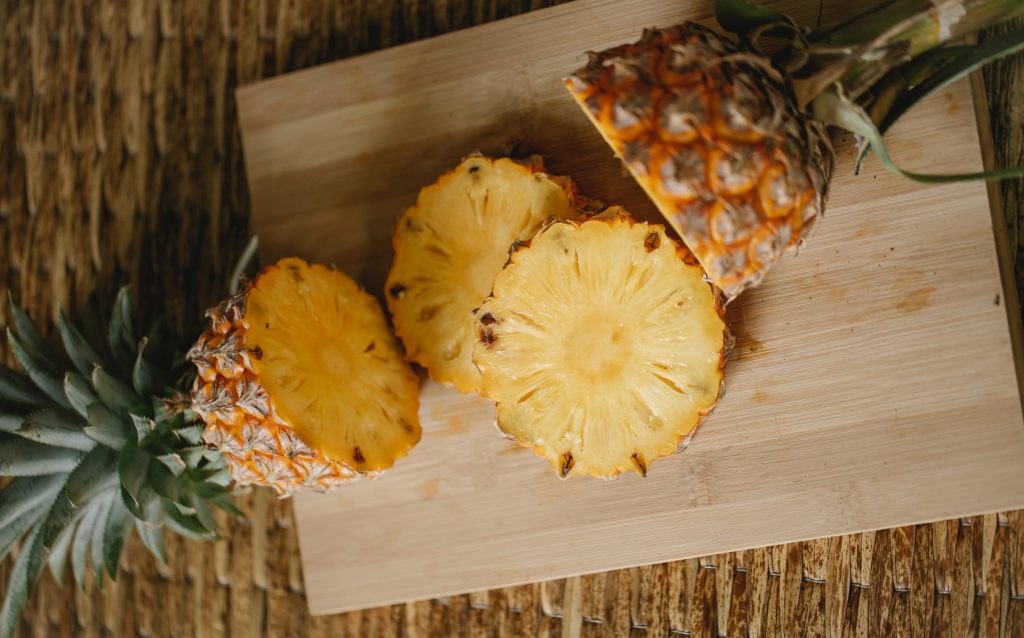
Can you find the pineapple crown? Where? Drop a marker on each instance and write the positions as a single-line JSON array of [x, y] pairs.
[[867, 71], [99, 439]]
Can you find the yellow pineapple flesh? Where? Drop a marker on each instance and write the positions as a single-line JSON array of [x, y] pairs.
[[713, 135], [449, 246], [301, 383], [602, 345]]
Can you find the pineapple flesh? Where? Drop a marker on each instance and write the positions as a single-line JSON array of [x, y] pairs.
[[712, 134], [449, 246], [301, 383], [602, 345]]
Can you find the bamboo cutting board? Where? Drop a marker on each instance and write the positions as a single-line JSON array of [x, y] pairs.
[[872, 384]]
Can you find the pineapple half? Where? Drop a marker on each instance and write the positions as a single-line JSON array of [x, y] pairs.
[[712, 135], [602, 345], [449, 246], [301, 383]]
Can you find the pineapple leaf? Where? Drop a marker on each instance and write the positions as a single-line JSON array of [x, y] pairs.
[[227, 504], [742, 17], [79, 392], [14, 530], [12, 416], [78, 349], [835, 109], [96, 542], [203, 513], [23, 577], [38, 370], [56, 427], [133, 467], [106, 427], [27, 332], [186, 525], [18, 388], [27, 494], [81, 544], [965, 60], [92, 476], [151, 531], [112, 392], [190, 434], [119, 525], [143, 375], [58, 556], [92, 324], [20, 457], [166, 484], [120, 330], [143, 426], [173, 462]]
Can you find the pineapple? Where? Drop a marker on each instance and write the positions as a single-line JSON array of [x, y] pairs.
[[602, 345], [450, 244], [300, 382], [715, 140], [731, 144], [99, 442]]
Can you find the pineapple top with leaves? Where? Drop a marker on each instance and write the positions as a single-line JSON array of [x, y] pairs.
[[99, 441]]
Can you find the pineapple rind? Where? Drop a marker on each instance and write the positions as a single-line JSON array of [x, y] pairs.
[[711, 132], [579, 345], [449, 246]]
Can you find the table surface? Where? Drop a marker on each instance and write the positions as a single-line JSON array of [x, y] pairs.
[[121, 161]]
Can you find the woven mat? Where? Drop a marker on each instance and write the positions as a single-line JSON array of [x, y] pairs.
[[120, 161]]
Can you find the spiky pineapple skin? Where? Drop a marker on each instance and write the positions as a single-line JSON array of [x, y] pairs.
[[261, 448], [242, 420], [713, 135]]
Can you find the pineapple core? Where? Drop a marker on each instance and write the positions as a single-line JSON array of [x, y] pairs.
[[322, 352], [449, 246], [602, 345]]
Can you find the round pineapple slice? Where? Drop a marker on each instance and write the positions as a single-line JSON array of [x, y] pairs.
[[449, 246], [602, 345], [302, 384]]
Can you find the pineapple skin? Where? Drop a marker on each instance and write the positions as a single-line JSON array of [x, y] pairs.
[[713, 135], [564, 463], [261, 447]]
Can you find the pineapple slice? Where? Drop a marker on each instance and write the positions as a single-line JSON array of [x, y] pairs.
[[602, 345], [449, 246], [301, 382]]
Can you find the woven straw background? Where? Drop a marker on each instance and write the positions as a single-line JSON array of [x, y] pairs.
[[120, 161]]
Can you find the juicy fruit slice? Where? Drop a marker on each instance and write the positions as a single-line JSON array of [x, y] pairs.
[[302, 384], [449, 246], [602, 345], [713, 135]]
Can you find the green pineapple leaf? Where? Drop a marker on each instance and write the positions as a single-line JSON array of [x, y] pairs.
[[20, 457], [106, 427], [56, 427], [76, 346], [79, 393]]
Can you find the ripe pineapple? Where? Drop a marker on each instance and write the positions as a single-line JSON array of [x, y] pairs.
[[602, 345], [730, 142], [301, 383], [714, 138], [98, 441], [450, 244]]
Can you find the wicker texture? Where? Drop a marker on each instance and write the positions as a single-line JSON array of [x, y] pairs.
[[120, 160]]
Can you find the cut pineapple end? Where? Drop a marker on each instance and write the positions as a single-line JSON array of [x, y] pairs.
[[333, 371], [449, 246], [601, 345]]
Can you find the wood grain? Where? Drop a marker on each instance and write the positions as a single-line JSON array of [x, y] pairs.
[[860, 367]]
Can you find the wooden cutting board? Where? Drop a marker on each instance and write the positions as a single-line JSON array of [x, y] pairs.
[[872, 385]]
